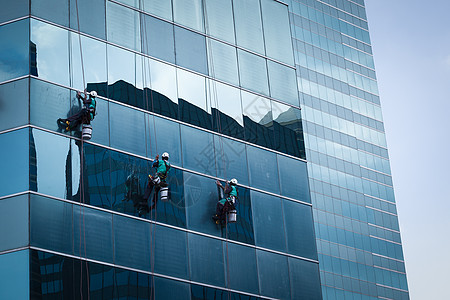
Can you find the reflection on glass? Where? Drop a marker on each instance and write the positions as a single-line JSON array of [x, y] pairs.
[[55, 11], [268, 221], [203, 292], [16, 284], [13, 9], [128, 129], [171, 289], [231, 159], [219, 19], [226, 109], [277, 35], [242, 229], [293, 178], [158, 38], [249, 32], [123, 26], [15, 49], [194, 107], [14, 222], [287, 125], [257, 120], [91, 17], [168, 139], [13, 113], [241, 268], [171, 255], [159, 8], [283, 83], [273, 275], [190, 48], [222, 61], [306, 276], [253, 72], [189, 13], [206, 259], [299, 229], [163, 94], [263, 169], [198, 150], [94, 61], [52, 52]]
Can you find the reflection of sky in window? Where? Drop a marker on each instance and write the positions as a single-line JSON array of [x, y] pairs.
[[13, 50], [52, 52], [192, 88], [163, 79]]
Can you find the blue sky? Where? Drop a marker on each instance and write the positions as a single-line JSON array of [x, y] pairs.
[[411, 45]]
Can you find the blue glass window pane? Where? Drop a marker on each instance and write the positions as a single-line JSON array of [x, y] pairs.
[[283, 83], [277, 32], [226, 109], [263, 169], [129, 177], [231, 159], [201, 199], [52, 10], [163, 93], [222, 61], [124, 76], [14, 173], [242, 271], [94, 63], [13, 9], [219, 19], [198, 150], [204, 292], [159, 8], [14, 50], [299, 229], [242, 229], [268, 221], [305, 279], [249, 33], [131, 285], [168, 139], [273, 275], [93, 234], [49, 102], [14, 222], [13, 103], [91, 17], [51, 224], [253, 72], [52, 52], [293, 178], [257, 115], [128, 128], [194, 108], [190, 48], [15, 275], [170, 250], [131, 243], [189, 13], [100, 125], [96, 176], [158, 39], [288, 129], [171, 289], [206, 260], [123, 26]]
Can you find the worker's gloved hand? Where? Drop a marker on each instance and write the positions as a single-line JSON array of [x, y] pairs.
[[218, 183], [157, 157]]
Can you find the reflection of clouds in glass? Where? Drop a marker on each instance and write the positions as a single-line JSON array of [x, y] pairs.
[[163, 79], [52, 51], [192, 88], [121, 65], [75, 168]]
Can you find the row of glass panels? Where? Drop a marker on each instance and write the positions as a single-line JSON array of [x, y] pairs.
[[116, 181], [43, 275], [99, 235]]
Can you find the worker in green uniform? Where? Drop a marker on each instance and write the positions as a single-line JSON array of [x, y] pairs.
[[85, 116], [226, 204], [162, 167]]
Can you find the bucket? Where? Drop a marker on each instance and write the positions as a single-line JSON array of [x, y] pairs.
[[164, 193], [86, 133], [232, 216], [156, 180]]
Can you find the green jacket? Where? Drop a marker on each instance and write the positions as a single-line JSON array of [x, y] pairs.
[[161, 169]]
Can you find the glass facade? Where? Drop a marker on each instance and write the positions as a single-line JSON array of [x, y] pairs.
[[280, 96]]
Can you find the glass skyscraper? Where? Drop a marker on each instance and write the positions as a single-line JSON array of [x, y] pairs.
[[280, 95]]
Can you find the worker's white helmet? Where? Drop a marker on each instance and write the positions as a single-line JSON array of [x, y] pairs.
[[233, 181], [93, 94], [165, 155]]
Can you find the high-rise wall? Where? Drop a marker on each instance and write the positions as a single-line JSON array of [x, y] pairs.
[[213, 83]]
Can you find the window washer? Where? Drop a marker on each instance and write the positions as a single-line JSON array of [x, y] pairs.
[[85, 116], [228, 203], [158, 180]]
